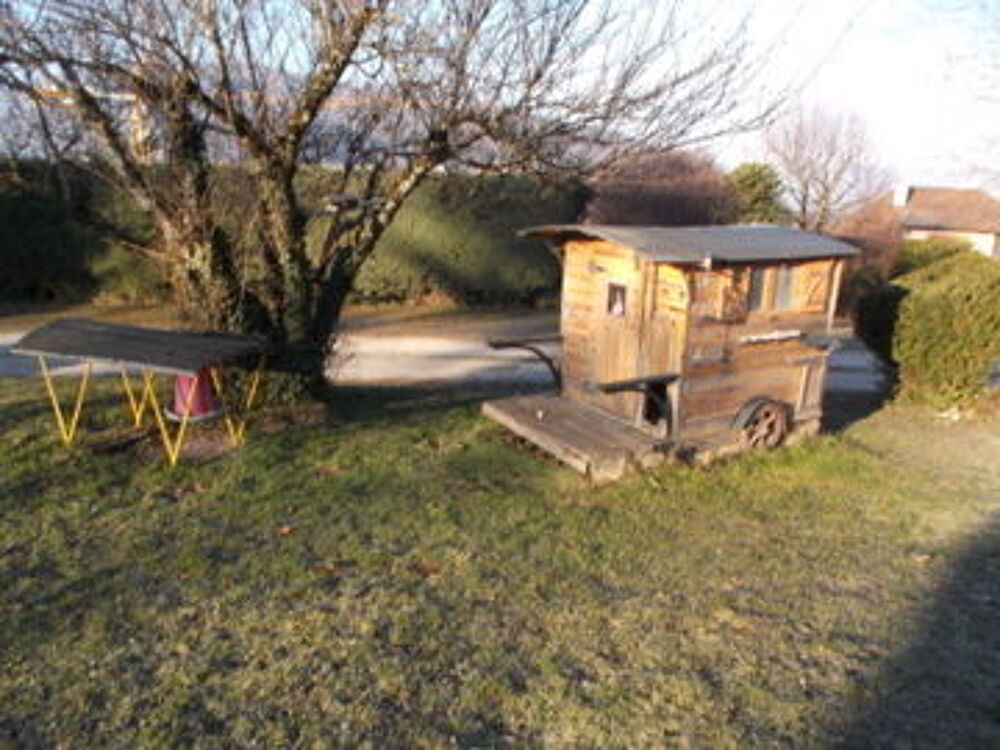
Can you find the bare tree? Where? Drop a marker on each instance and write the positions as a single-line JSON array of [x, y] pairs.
[[33, 132], [672, 188], [826, 164], [980, 69], [19, 136], [384, 91], [962, 38]]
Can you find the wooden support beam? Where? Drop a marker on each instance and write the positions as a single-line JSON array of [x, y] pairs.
[[831, 312], [640, 384]]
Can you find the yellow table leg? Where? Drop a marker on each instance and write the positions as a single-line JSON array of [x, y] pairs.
[[67, 430], [236, 425], [137, 406], [171, 443]]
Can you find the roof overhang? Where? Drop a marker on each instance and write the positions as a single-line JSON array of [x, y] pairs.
[[704, 245]]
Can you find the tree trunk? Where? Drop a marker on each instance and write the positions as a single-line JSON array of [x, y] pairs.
[[291, 286], [335, 278], [336, 283]]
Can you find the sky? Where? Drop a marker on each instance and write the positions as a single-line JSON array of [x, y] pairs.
[[923, 76]]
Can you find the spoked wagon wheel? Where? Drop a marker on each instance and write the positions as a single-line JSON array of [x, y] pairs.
[[767, 426]]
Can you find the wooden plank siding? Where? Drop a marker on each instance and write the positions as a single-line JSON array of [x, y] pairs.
[[722, 395], [812, 286], [728, 358], [599, 346], [575, 316], [663, 334]]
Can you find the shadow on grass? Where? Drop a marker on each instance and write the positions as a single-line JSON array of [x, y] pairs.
[[943, 690], [27, 409], [378, 403], [50, 604], [100, 410], [841, 409], [14, 308], [858, 384]]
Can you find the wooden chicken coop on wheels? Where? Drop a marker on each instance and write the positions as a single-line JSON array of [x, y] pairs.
[[681, 341]]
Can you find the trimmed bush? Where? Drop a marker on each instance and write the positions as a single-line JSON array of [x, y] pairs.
[[50, 249], [126, 278], [876, 308], [913, 255], [456, 236], [947, 332], [875, 301], [44, 253]]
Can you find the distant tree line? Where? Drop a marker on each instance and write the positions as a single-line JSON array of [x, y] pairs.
[[686, 188]]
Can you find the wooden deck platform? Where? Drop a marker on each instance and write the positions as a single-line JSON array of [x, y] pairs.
[[579, 435], [603, 447]]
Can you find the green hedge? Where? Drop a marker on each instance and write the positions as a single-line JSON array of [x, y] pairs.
[[44, 253], [947, 333], [937, 318], [913, 255], [50, 249], [876, 309], [875, 300], [455, 237]]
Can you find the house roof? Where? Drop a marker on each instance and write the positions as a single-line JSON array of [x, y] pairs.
[[950, 208], [727, 244]]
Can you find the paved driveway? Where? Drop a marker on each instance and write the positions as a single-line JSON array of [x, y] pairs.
[[16, 366], [453, 350]]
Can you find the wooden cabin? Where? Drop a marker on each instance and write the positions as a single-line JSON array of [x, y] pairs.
[[676, 340]]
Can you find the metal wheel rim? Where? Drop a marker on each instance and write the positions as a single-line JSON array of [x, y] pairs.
[[766, 427]]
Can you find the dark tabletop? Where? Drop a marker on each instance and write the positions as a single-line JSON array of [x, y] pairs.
[[174, 352]]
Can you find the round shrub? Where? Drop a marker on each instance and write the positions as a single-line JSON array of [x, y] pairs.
[[875, 305], [912, 255], [947, 333]]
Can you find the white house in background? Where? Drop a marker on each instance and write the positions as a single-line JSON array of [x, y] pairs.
[[971, 215]]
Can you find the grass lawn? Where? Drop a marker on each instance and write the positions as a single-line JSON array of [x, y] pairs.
[[401, 573]]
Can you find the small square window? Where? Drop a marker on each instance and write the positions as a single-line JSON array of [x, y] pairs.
[[616, 299]]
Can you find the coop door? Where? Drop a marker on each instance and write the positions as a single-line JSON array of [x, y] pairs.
[[614, 347], [662, 344]]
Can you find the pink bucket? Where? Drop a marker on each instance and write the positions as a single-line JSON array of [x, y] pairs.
[[203, 402]]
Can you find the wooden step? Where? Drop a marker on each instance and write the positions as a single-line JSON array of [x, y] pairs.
[[588, 440]]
